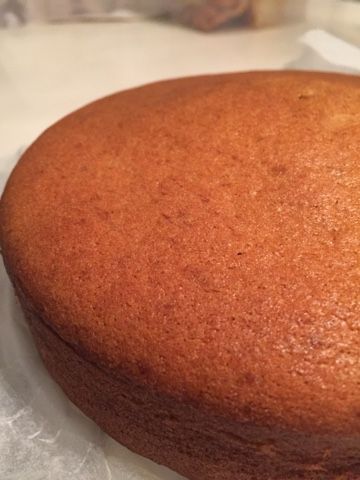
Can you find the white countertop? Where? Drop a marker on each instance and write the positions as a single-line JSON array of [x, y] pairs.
[[47, 71]]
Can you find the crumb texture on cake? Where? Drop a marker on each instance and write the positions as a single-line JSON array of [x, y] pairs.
[[197, 241]]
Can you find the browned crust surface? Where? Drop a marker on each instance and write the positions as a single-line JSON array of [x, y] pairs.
[[181, 436], [199, 239]]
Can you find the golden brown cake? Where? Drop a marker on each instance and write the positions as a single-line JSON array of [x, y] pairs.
[[187, 255]]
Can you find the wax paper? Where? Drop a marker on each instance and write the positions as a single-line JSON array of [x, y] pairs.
[[42, 435]]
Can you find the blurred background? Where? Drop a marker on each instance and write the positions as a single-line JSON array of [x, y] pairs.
[[205, 15], [56, 55]]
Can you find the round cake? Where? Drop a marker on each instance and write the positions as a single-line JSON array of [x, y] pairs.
[[187, 255]]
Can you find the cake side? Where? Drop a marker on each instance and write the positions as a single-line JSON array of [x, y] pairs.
[[180, 435]]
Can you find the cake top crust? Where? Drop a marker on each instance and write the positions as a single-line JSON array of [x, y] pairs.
[[201, 237]]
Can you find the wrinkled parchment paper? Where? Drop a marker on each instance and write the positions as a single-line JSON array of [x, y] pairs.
[[42, 435]]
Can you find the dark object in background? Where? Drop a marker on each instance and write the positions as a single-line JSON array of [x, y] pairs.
[[209, 15], [12, 12], [214, 13]]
